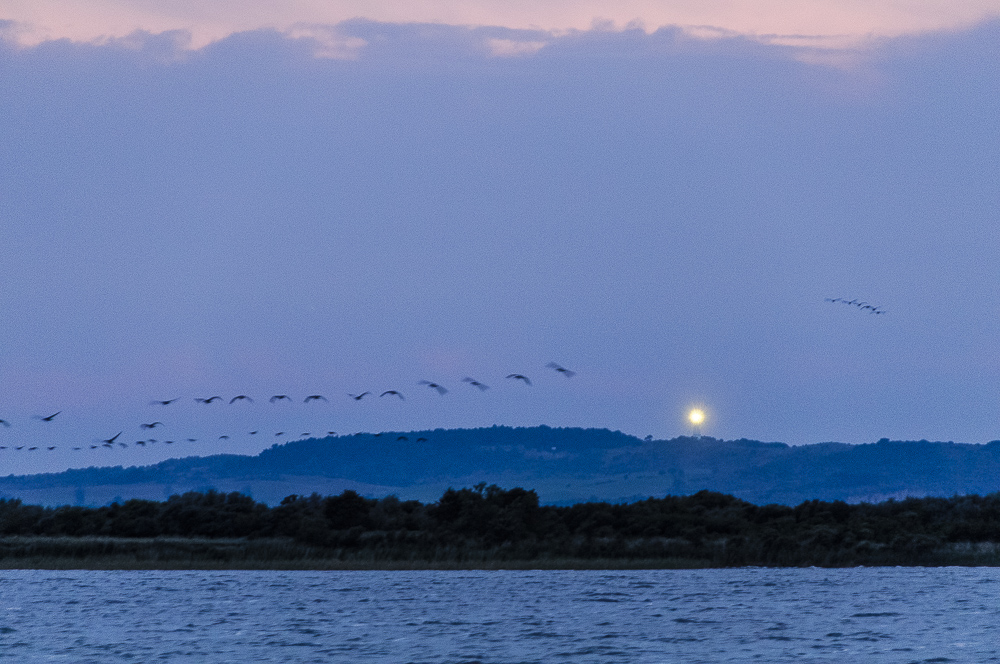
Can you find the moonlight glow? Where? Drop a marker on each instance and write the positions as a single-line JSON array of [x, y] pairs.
[[696, 416]]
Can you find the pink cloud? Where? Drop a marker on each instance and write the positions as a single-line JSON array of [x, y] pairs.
[[845, 20]]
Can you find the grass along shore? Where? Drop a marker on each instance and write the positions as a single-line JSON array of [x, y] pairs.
[[178, 553]]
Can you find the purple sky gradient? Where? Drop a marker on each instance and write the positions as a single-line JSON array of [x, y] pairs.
[[664, 216]]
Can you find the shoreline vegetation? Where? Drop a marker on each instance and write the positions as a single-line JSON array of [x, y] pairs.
[[489, 528]]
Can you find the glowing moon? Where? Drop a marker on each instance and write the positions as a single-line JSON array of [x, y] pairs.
[[696, 416]]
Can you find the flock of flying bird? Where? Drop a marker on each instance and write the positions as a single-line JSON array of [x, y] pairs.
[[112, 442], [864, 306]]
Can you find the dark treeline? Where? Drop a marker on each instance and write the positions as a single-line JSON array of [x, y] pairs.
[[487, 523]]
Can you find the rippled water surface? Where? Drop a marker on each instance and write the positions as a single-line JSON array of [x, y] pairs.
[[736, 615]]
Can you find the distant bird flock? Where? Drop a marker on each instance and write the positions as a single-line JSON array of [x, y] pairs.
[[113, 442], [863, 306]]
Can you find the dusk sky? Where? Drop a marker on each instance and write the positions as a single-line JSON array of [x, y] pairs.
[[328, 198]]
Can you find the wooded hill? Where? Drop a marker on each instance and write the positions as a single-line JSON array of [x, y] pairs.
[[564, 466]]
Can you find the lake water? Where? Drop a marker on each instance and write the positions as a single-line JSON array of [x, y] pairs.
[[735, 615]]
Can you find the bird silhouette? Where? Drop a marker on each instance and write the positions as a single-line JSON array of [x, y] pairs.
[[315, 397], [331, 433], [434, 386], [151, 425], [398, 394], [402, 438], [140, 442], [223, 437], [5, 423], [526, 380], [359, 397], [47, 419], [112, 439], [860, 304], [421, 440], [280, 433], [280, 397], [241, 397], [253, 433], [163, 403], [563, 370], [475, 383], [208, 400]]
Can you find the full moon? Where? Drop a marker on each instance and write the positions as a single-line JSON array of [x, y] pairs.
[[696, 416]]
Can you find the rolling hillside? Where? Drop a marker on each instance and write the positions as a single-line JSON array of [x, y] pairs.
[[562, 465]]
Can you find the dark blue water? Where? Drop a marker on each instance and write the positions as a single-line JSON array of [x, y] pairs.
[[738, 615]]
